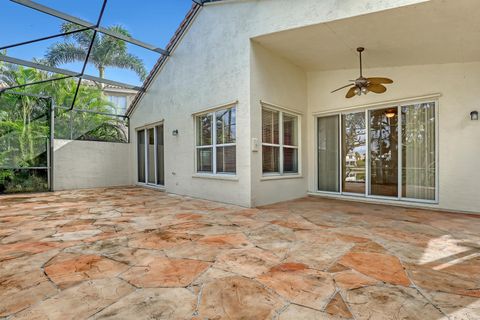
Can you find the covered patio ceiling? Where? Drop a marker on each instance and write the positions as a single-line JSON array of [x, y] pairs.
[[133, 253], [432, 32]]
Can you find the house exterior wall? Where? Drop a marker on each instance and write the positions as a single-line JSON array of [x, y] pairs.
[[457, 84], [90, 164], [210, 67], [276, 81]]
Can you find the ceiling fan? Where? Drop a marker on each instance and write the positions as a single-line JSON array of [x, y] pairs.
[[364, 85]]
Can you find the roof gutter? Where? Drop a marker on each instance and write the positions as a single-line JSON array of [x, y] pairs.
[[184, 25]]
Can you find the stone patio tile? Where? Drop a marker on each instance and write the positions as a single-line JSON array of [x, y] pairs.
[[67, 269], [455, 306], [237, 298], [246, 262], [207, 248], [30, 235], [22, 290], [230, 241], [351, 279], [158, 303], [160, 239], [299, 284], [76, 235], [79, 302], [303, 255], [212, 274], [439, 280], [165, 272], [277, 239], [337, 307], [390, 302], [316, 254], [19, 249], [382, 267], [116, 249], [301, 313]]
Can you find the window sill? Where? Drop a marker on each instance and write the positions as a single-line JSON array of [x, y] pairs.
[[281, 177], [216, 176]]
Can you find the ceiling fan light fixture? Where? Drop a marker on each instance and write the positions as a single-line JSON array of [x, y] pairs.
[[364, 85], [390, 114]]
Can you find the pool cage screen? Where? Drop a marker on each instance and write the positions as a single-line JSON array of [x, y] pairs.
[[59, 103]]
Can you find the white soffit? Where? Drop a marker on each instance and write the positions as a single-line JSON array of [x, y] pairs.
[[433, 32]]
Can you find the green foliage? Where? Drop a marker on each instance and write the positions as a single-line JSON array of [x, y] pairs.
[[18, 181], [106, 51]]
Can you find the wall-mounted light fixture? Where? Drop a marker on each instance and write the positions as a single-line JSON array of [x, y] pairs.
[[175, 132], [474, 115]]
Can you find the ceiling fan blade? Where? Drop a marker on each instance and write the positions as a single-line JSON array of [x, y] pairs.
[[348, 85], [378, 80], [351, 92], [377, 88]]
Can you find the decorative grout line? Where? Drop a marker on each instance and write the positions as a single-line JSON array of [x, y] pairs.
[[199, 299]]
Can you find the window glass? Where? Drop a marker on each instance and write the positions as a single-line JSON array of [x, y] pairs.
[[119, 104], [151, 156], [160, 156], [290, 160], [204, 160], [216, 149], [271, 159], [290, 130], [204, 130], [270, 126], [226, 126], [226, 159], [141, 155], [279, 153], [328, 154], [418, 151], [354, 143], [384, 152]]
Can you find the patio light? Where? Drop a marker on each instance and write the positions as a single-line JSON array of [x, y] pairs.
[[474, 115]]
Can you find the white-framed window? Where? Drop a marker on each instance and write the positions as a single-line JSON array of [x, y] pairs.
[[119, 103], [216, 141], [280, 142]]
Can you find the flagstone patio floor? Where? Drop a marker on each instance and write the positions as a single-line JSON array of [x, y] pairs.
[[133, 253]]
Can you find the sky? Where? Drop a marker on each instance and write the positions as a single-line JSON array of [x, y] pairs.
[[151, 21]]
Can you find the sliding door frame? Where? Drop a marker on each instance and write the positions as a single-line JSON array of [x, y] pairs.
[[366, 109], [145, 129]]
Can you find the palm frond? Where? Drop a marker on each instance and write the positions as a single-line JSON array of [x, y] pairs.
[[131, 62], [66, 52]]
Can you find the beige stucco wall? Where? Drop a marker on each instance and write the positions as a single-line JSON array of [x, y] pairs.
[[211, 66], [459, 145], [90, 164], [276, 81]]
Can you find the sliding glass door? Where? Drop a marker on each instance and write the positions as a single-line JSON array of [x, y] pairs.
[[150, 155], [354, 152], [418, 151], [383, 152], [380, 152], [328, 154]]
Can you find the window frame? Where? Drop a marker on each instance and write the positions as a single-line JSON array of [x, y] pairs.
[[214, 145], [281, 145], [397, 104]]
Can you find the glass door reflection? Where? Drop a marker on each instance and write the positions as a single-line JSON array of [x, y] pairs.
[[354, 152], [383, 133]]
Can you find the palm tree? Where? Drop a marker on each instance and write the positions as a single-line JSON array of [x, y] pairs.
[[106, 51]]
